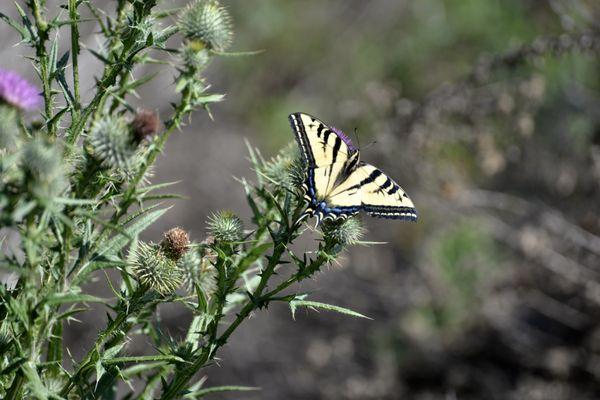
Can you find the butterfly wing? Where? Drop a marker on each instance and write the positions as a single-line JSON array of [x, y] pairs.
[[337, 185], [327, 154], [321, 145], [374, 192]]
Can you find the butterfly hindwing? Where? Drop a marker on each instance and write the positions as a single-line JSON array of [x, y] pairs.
[[382, 197]]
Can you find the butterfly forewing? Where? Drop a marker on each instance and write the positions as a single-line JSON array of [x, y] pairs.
[[320, 145]]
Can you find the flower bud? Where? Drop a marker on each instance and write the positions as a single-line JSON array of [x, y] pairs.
[[175, 243], [285, 169], [9, 130], [208, 22], [198, 270], [145, 124], [225, 226], [346, 232], [42, 165], [154, 269], [111, 143]]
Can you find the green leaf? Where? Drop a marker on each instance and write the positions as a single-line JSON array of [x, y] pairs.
[[216, 389], [22, 209], [34, 382], [100, 57], [237, 53], [74, 202], [26, 23], [166, 196], [138, 82], [62, 298], [53, 57], [138, 369], [119, 241], [298, 302], [253, 255], [210, 98], [140, 359], [57, 116], [146, 189], [16, 26], [68, 314]]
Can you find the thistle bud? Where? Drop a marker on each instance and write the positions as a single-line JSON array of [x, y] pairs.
[[8, 127], [208, 22], [145, 124], [344, 233], [198, 270], [285, 169], [42, 165], [175, 243], [154, 269], [111, 143], [225, 226]]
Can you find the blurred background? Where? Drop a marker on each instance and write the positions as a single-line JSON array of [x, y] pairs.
[[488, 114]]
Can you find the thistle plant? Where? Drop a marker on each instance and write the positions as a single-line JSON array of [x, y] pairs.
[[75, 191]]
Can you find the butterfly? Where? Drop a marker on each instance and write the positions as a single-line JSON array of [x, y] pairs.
[[337, 183]]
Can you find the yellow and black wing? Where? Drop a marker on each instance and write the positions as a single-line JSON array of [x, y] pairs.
[[337, 185], [321, 145], [327, 153], [374, 192]]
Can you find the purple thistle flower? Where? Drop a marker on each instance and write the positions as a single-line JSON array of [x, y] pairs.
[[17, 91], [344, 138]]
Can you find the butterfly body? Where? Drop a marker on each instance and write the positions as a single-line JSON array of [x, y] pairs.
[[337, 183]]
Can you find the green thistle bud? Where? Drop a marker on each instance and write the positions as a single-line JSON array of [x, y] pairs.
[[225, 226], [111, 143], [208, 22], [154, 269], [345, 232], [42, 164], [285, 169], [297, 172], [9, 130], [175, 243], [198, 269]]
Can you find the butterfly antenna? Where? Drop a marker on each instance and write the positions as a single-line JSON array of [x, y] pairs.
[[356, 136], [371, 144]]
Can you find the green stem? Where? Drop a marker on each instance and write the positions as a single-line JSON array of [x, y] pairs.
[[313, 267], [14, 392], [74, 17], [115, 327], [182, 376], [42, 56]]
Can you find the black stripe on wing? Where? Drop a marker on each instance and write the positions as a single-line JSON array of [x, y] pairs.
[[302, 138], [391, 212]]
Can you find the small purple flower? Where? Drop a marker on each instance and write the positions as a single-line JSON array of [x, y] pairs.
[[16, 91], [344, 138]]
